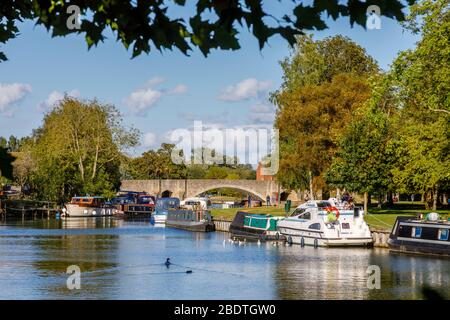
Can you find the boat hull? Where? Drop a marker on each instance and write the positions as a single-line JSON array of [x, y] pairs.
[[319, 239], [410, 247], [74, 210], [191, 225], [254, 234]]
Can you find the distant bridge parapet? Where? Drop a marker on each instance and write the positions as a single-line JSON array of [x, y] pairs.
[[185, 188]]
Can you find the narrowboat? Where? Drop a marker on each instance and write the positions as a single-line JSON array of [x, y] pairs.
[[134, 204], [87, 207], [162, 208], [429, 236], [319, 223], [250, 226], [193, 215], [192, 220]]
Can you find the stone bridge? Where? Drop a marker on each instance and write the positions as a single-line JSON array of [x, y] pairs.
[[185, 188]]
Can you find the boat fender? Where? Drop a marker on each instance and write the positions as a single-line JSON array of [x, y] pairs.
[[289, 240], [277, 236], [302, 242], [316, 243]]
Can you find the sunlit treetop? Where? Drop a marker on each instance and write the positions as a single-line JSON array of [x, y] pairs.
[[214, 24]]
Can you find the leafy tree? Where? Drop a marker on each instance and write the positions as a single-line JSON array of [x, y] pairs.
[[78, 150], [311, 123], [216, 172], [157, 165], [366, 153], [422, 74], [143, 24], [421, 78], [324, 82]]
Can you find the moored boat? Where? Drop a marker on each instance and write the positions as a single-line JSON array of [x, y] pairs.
[[416, 235], [318, 223], [162, 208], [134, 204], [87, 207], [250, 226], [192, 220]]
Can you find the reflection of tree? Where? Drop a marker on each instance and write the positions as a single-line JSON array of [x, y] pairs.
[[94, 251]]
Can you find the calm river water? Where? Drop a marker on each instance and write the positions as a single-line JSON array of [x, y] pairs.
[[125, 260]]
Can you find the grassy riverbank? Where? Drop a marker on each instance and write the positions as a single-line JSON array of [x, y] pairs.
[[377, 218]]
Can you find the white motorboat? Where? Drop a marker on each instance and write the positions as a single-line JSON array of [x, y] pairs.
[[319, 223], [87, 207]]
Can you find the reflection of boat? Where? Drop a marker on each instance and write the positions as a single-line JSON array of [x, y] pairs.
[[162, 208], [255, 226], [90, 223], [415, 235], [87, 207], [318, 223]]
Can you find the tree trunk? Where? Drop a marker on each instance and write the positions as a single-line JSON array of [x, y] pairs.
[[435, 199], [380, 200], [311, 194], [390, 200], [366, 202]]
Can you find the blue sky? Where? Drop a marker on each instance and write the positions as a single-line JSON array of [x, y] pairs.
[[160, 92]]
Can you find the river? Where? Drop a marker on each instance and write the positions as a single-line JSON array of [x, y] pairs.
[[125, 260]]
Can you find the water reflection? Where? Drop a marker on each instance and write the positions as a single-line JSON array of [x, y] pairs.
[[125, 260]]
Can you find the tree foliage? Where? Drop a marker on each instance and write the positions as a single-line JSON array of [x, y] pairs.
[[215, 24], [78, 150], [366, 151], [325, 82]]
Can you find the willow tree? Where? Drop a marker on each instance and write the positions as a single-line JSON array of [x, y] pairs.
[[324, 83], [78, 149]]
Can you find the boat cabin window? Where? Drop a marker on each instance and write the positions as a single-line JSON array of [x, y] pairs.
[[297, 212], [443, 234], [315, 226], [416, 232], [345, 225]]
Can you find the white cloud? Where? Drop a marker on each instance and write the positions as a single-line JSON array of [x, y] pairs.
[[155, 81], [149, 139], [250, 143], [11, 94], [179, 89], [54, 98], [262, 113], [245, 90], [144, 98]]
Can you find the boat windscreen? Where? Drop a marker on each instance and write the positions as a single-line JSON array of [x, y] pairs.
[[323, 204]]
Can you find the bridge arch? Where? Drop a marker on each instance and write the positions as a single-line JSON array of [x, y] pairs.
[[197, 192]]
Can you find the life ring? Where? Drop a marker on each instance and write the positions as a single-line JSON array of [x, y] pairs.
[[333, 209]]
